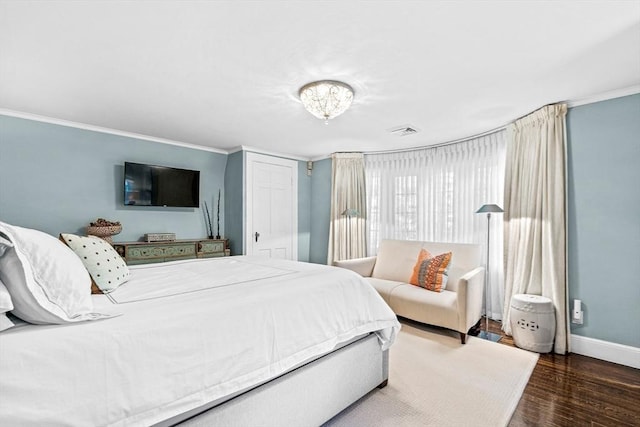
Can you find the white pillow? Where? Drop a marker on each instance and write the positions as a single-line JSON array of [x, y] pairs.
[[106, 267], [5, 304], [4, 243], [46, 280]]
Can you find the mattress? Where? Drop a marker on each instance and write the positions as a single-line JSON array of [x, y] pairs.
[[187, 333]]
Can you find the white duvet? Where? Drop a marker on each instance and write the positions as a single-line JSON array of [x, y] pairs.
[[190, 332]]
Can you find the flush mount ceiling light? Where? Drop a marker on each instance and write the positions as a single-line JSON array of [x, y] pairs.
[[326, 99]]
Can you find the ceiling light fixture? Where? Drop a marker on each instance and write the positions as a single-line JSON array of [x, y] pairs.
[[326, 99]]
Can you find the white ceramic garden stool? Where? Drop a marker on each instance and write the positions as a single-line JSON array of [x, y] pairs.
[[533, 322]]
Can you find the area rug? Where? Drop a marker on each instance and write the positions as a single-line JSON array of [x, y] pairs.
[[434, 380]]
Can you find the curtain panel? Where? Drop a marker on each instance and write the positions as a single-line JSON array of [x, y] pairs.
[[347, 238], [432, 194], [535, 214]]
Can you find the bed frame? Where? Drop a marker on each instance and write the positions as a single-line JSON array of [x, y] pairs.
[[308, 395]]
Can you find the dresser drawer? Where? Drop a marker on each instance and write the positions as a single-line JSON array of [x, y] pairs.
[[150, 252], [211, 248], [160, 253]]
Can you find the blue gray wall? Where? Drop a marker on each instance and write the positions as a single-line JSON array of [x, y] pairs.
[[304, 212], [234, 201], [320, 211], [603, 147], [603, 142], [58, 179]]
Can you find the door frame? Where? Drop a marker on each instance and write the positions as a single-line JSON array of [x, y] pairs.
[[251, 157]]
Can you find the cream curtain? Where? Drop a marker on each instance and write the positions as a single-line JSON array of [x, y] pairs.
[[348, 207], [432, 194], [535, 214]]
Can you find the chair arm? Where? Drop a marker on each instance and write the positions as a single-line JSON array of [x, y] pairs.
[[362, 266], [470, 293]]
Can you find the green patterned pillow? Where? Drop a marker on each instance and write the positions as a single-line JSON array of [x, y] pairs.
[[106, 267]]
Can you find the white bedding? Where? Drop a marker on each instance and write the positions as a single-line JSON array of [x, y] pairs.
[[226, 330], [180, 277]]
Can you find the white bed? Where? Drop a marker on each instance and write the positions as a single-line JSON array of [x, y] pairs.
[[195, 334]]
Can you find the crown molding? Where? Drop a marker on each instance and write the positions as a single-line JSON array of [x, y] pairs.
[[603, 96], [612, 94], [325, 156], [83, 126], [267, 153]]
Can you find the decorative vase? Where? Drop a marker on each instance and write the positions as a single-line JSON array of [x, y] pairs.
[[104, 232]]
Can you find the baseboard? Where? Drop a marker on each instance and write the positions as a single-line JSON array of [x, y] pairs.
[[604, 350]]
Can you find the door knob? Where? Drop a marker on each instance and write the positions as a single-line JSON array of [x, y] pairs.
[[257, 235]]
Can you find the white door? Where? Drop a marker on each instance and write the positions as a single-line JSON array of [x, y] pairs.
[[271, 206]]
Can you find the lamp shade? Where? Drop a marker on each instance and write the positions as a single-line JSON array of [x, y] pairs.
[[350, 212], [489, 209]]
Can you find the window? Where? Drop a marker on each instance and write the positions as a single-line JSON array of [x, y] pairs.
[[433, 193]]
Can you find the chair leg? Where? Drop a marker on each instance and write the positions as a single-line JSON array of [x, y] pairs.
[[463, 338]]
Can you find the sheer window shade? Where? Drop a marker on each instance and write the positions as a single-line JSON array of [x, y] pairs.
[[432, 194]]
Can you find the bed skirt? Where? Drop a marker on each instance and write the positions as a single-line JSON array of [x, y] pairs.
[[309, 395]]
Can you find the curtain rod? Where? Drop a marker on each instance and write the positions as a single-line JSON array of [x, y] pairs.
[[441, 144], [468, 138], [455, 141]]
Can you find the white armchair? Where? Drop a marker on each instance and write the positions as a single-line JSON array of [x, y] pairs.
[[458, 307]]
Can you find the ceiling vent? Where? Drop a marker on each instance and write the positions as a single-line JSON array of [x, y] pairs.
[[404, 130]]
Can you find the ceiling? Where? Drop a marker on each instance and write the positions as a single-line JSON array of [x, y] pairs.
[[225, 74]]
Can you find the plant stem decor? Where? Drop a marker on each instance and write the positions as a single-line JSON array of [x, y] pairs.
[[218, 217], [207, 221]]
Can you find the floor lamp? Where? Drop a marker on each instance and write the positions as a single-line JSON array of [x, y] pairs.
[[348, 213], [486, 335]]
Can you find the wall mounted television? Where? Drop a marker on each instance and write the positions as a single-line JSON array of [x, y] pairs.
[[151, 185]]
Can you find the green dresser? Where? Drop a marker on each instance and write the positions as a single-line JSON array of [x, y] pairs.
[[149, 252]]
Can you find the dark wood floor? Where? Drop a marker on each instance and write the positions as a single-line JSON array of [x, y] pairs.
[[576, 390]]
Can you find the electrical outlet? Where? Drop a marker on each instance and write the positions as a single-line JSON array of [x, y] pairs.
[[577, 313], [577, 317]]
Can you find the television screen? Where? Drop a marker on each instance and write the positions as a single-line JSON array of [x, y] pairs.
[[150, 185]]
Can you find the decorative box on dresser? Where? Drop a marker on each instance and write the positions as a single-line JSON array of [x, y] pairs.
[[148, 252]]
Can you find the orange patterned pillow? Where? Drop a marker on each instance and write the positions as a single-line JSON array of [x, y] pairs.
[[431, 272], [422, 256]]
